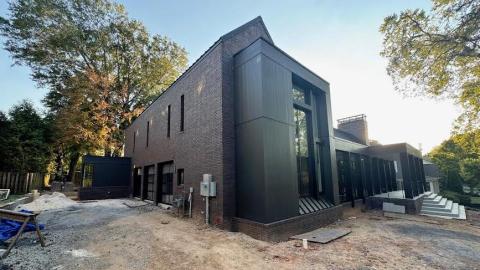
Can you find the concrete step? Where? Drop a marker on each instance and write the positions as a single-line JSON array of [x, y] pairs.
[[431, 196], [441, 204], [436, 199], [454, 213], [448, 207], [461, 213]]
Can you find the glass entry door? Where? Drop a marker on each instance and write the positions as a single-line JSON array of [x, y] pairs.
[[166, 183], [149, 181], [303, 152], [137, 182]]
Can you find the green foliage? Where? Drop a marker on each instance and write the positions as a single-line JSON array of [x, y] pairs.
[[25, 140], [470, 172], [437, 54], [456, 197], [101, 67], [475, 201], [458, 159]]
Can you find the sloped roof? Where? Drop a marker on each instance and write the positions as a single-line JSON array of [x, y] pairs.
[[345, 136], [224, 37]]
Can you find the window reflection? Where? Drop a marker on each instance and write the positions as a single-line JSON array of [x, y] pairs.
[[302, 153], [298, 94]]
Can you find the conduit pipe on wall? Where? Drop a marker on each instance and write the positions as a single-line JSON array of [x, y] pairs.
[[190, 198]]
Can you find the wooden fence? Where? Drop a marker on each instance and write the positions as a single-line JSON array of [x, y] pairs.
[[20, 183]]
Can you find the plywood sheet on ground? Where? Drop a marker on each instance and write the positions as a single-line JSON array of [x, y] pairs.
[[323, 235]]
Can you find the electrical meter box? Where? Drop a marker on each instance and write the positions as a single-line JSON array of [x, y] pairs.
[[208, 188]]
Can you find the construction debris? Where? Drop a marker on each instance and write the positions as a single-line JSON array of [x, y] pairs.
[[47, 202]]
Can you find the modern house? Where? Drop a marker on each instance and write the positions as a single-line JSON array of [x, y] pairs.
[[432, 175], [260, 123]]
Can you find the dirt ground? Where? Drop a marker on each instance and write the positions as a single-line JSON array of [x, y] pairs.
[[110, 235]]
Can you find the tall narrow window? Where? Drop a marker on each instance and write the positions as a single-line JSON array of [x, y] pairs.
[[134, 139], [182, 112], [168, 120], [148, 131], [180, 179]]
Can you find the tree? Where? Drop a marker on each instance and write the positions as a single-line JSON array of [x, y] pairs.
[[26, 140], [457, 158], [92, 40], [470, 172], [101, 68], [437, 54]]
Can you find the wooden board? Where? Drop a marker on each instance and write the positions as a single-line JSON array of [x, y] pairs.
[[323, 235]]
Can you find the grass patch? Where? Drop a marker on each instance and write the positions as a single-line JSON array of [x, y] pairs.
[[475, 200]]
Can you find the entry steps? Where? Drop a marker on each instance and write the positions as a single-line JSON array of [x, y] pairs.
[[436, 206]]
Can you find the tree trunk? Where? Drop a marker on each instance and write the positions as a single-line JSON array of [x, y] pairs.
[[71, 167], [58, 165]]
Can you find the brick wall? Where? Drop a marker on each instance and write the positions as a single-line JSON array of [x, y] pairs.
[[282, 230], [207, 144], [198, 149]]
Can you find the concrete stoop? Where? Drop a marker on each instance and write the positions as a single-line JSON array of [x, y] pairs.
[[436, 206]]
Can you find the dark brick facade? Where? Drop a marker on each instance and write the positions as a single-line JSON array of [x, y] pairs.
[[207, 145], [282, 230]]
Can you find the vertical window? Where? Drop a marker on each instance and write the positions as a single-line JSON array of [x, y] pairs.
[[180, 179], [182, 112], [134, 139], [168, 120], [87, 176], [148, 131]]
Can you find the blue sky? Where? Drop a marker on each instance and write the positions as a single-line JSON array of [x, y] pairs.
[[339, 40]]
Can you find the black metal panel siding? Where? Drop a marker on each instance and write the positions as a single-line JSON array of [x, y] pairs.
[[267, 187], [109, 171], [235, 42], [264, 109]]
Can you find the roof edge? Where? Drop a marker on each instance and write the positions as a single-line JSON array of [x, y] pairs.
[[224, 37], [239, 29]]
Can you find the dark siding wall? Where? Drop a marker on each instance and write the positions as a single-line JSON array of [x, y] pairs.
[[109, 171], [232, 46], [268, 188], [267, 183]]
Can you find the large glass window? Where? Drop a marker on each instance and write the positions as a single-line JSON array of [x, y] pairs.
[[302, 151], [87, 175], [300, 94]]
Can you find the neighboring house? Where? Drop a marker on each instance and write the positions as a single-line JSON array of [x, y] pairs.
[[260, 123], [432, 175]]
